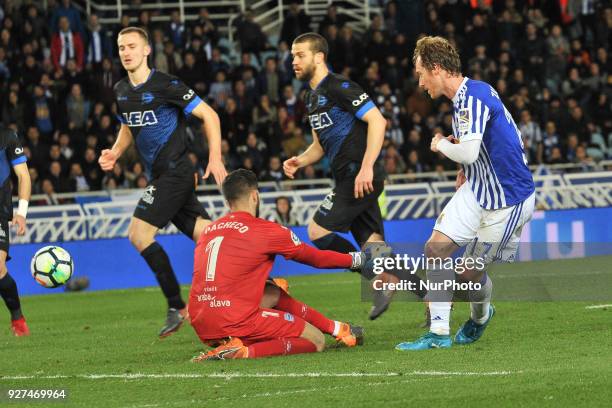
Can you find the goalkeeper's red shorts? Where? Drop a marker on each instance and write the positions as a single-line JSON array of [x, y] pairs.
[[267, 324]]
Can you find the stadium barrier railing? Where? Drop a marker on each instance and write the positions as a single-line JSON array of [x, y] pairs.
[[106, 214]]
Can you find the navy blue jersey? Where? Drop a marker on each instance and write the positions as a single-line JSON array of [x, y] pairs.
[[335, 111], [499, 177], [155, 112], [11, 154]]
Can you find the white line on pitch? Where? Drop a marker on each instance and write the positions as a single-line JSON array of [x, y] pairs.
[[279, 393], [598, 306], [136, 376]]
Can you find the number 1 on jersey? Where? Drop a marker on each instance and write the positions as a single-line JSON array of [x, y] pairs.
[[213, 252]]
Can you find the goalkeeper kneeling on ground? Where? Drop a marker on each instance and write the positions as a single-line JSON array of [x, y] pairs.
[[233, 305]]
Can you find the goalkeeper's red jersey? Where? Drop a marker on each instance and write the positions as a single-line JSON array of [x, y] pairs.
[[233, 259]]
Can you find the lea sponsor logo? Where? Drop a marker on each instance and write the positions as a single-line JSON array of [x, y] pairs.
[[320, 121], [137, 119]]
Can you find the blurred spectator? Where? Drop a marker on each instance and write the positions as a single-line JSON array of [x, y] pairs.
[[558, 51], [66, 10], [98, 43], [77, 108], [13, 111], [572, 146], [104, 81], [249, 33], [394, 163], [294, 105], [274, 172], [332, 18], [189, 72], [255, 150], [66, 44], [209, 29], [532, 136], [220, 89], [269, 81], [295, 23], [394, 133], [176, 30], [283, 214], [35, 180], [134, 173], [60, 183], [295, 143], [38, 149], [78, 180], [415, 165], [550, 141]]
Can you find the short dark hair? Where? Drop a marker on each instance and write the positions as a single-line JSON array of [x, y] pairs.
[[317, 42], [238, 184], [138, 30]]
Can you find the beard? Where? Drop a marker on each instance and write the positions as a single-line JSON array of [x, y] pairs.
[[307, 73], [257, 209]]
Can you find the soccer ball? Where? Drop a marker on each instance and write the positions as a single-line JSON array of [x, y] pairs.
[[51, 266]]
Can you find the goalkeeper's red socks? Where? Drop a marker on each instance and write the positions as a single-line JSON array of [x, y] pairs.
[[288, 304], [281, 347]]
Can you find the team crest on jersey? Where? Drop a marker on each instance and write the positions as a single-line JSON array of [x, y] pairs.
[[137, 119], [147, 196], [320, 121], [463, 120], [147, 98], [295, 239], [322, 100]]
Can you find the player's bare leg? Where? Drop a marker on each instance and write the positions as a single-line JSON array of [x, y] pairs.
[[8, 291], [142, 236], [345, 333]]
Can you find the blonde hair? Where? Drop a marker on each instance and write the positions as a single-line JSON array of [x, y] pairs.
[[437, 51], [138, 30]]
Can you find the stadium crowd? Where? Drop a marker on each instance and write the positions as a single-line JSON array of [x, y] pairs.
[[548, 60]]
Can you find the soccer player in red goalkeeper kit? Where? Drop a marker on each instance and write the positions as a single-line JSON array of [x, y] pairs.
[[234, 306]]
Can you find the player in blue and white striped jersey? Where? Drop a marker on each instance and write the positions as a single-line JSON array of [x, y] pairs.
[[495, 191]]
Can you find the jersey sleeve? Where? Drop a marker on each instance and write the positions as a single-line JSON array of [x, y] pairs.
[[351, 97], [14, 150], [472, 117], [180, 95], [283, 241]]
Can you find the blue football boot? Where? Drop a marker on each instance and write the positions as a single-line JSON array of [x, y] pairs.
[[427, 341], [472, 331]]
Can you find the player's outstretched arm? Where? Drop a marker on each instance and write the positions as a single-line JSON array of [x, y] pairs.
[[109, 157], [376, 135], [313, 154], [212, 130], [24, 190]]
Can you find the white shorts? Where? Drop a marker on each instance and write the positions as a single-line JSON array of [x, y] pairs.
[[494, 235]]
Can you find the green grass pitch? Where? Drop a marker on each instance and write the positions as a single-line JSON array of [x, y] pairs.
[[102, 347]]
